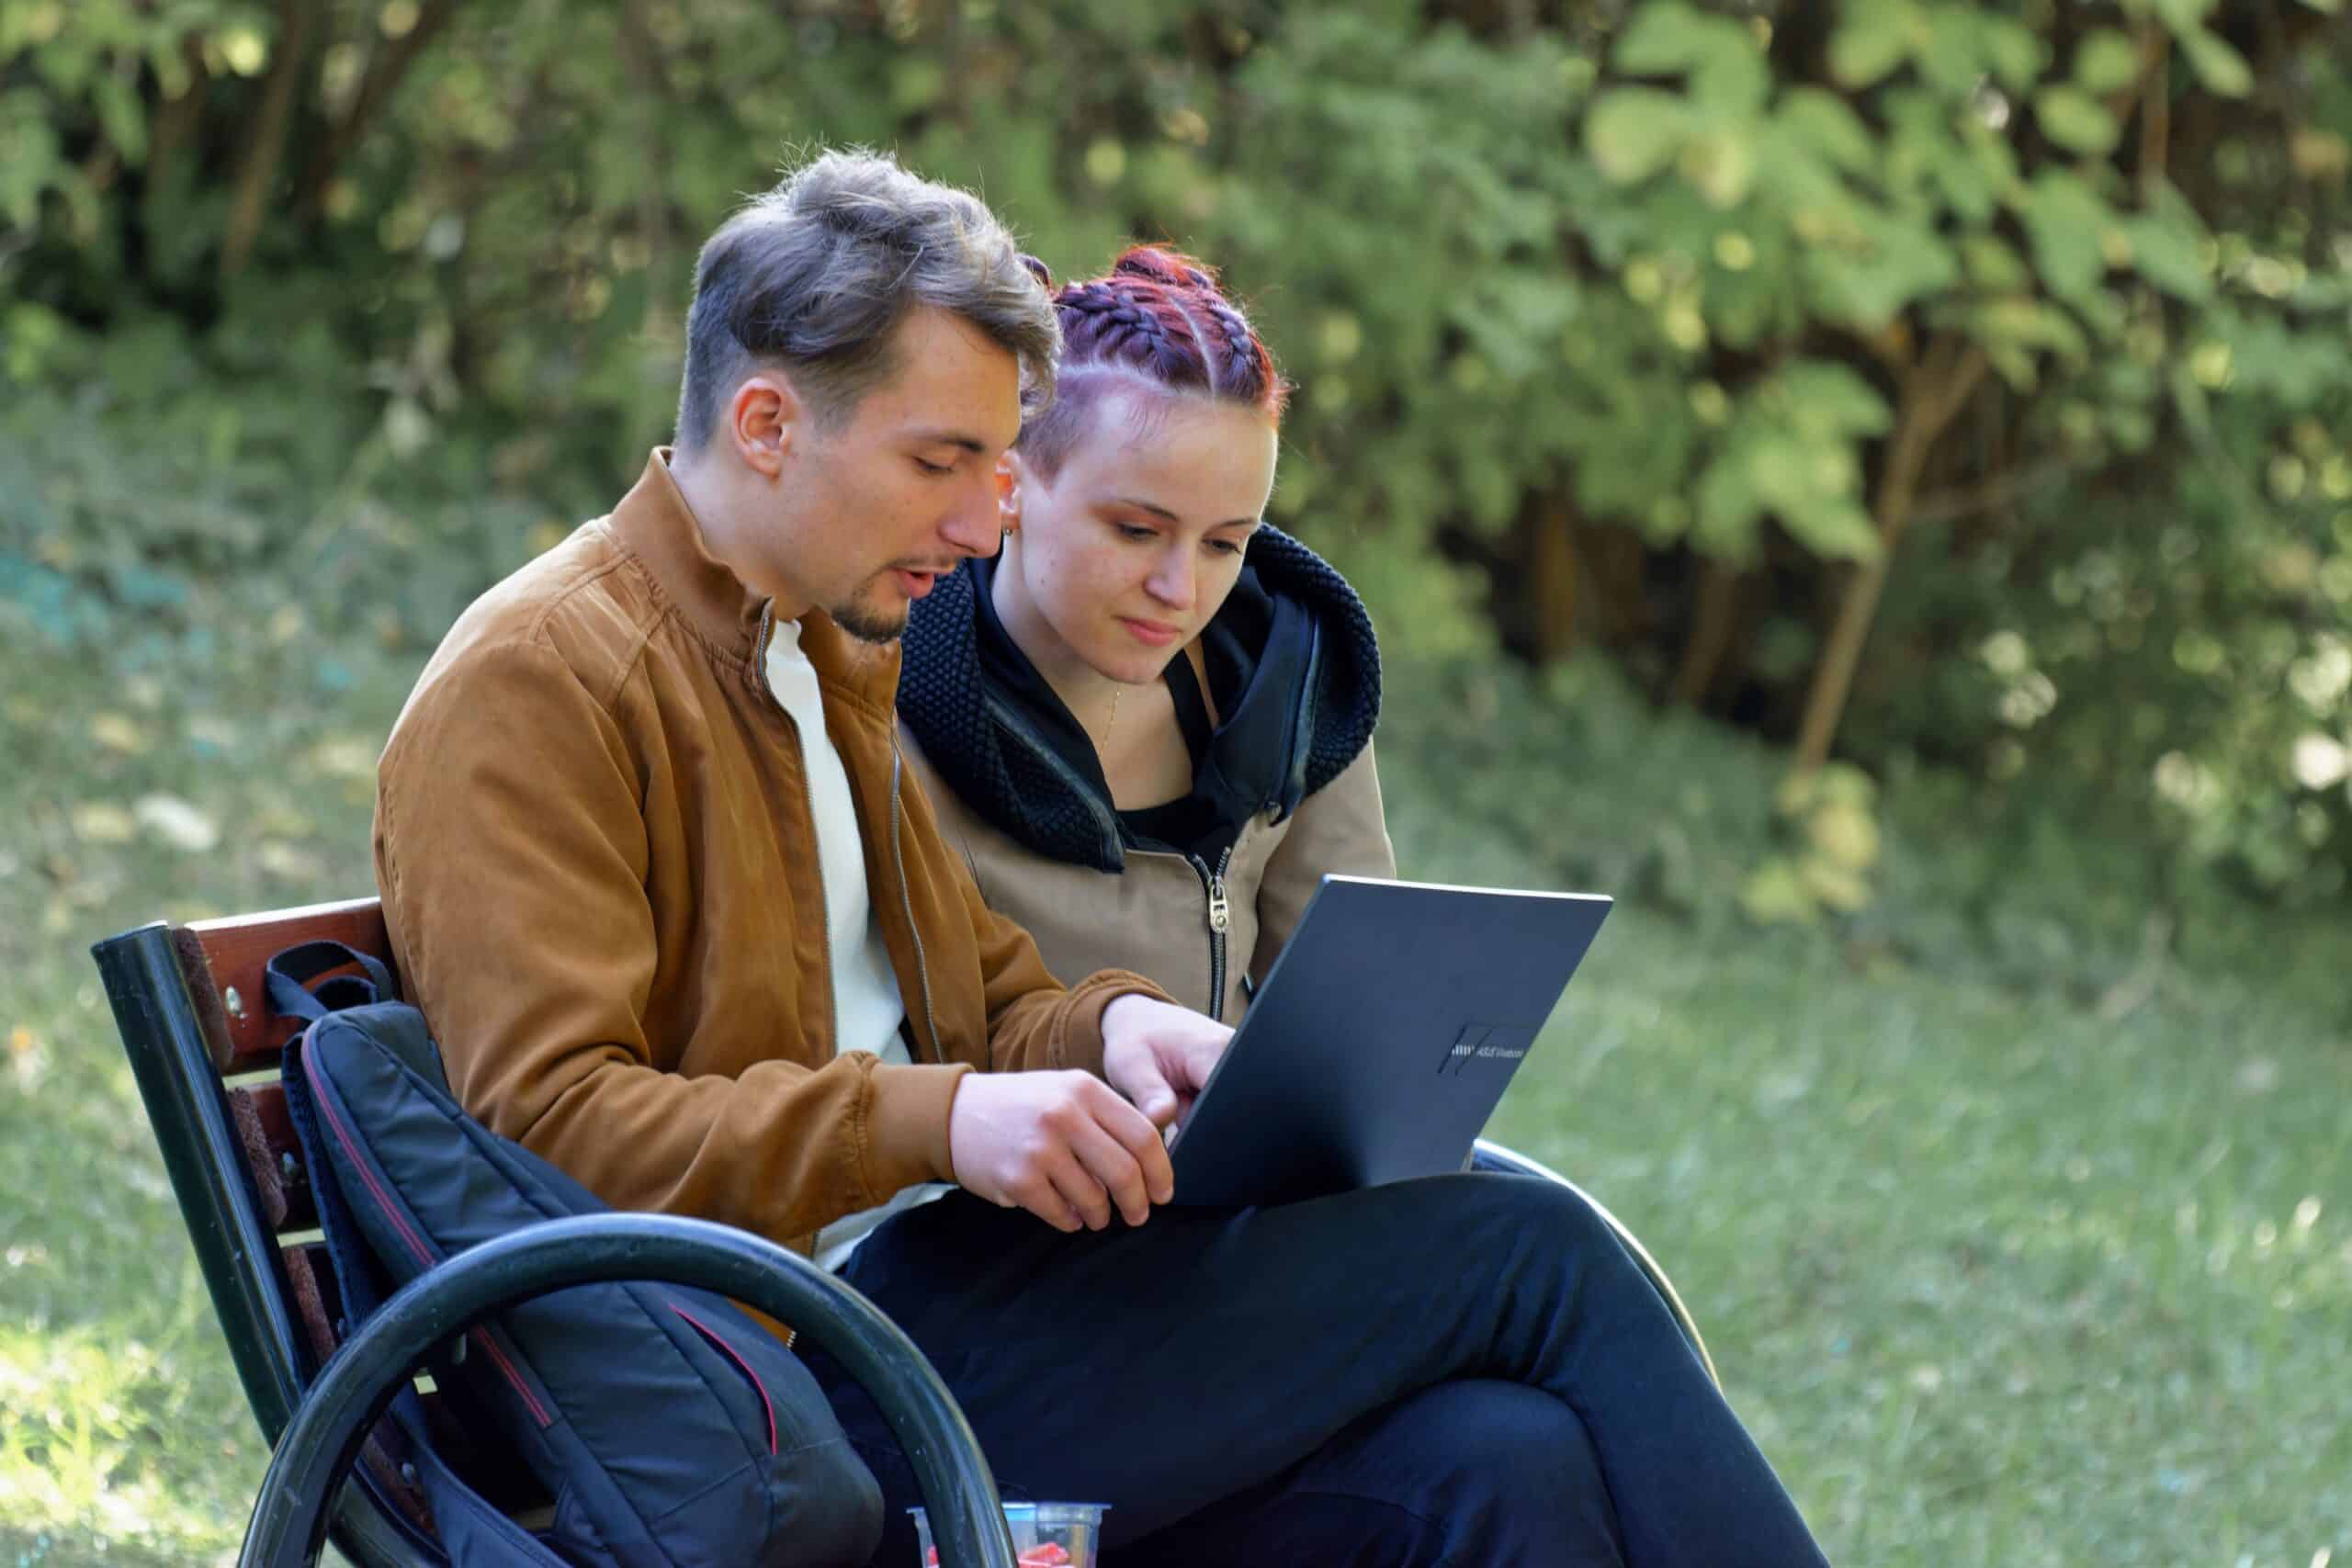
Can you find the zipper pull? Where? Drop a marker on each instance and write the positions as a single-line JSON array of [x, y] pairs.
[[1220, 911]]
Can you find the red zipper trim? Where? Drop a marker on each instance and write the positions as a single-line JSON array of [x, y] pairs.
[[479, 1335], [737, 1356]]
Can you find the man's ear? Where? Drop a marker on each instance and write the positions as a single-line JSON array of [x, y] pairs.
[[764, 419]]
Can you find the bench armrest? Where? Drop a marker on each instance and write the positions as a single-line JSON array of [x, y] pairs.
[[290, 1518]]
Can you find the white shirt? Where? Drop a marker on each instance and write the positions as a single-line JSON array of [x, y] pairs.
[[866, 1006]]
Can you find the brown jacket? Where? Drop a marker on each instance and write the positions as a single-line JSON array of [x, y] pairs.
[[1160, 916], [599, 870]]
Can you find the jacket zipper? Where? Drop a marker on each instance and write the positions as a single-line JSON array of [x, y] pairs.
[[809, 808], [907, 901], [1212, 882], [1220, 918]]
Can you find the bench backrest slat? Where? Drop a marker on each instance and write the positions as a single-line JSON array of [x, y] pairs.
[[273, 1156], [206, 1050], [245, 1036]]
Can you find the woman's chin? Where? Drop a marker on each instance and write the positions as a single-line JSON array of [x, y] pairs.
[[1132, 667]]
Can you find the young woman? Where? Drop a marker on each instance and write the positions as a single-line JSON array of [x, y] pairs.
[[1147, 724]]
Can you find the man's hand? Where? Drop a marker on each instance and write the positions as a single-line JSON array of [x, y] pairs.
[[1160, 1056], [1062, 1145]]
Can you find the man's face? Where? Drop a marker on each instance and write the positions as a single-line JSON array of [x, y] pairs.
[[874, 508]]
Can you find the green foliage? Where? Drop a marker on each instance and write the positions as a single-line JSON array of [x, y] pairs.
[[1686, 276], [1828, 824]]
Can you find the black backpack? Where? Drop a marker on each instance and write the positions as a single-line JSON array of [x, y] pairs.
[[666, 1428]]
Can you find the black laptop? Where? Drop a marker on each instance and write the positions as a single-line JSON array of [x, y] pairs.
[[1382, 1039]]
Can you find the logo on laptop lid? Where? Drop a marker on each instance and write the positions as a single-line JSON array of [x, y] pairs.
[[1485, 1043]]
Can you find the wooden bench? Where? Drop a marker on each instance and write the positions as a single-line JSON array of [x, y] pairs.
[[205, 1047], [190, 1005]]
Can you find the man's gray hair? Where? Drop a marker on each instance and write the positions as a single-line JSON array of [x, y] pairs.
[[814, 278]]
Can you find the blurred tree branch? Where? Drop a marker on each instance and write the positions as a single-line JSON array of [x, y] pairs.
[[1713, 617], [1946, 377], [388, 64], [2002, 488], [257, 172]]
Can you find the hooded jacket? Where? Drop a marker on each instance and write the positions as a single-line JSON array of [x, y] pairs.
[[599, 873], [1292, 670]]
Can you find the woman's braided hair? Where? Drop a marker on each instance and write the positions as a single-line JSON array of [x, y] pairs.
[[1157, 316]]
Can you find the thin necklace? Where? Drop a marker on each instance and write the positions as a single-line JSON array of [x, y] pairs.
[[1107, 729]]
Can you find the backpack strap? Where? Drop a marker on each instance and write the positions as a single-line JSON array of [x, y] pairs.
[[472, 1534], [289, 975]]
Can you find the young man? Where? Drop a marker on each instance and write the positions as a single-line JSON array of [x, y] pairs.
[[654, 874]]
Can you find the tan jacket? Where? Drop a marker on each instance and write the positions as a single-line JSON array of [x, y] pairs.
[[1161, 916], [599, 870]]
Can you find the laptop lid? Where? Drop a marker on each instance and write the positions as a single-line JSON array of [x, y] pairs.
[[1382, 1039]]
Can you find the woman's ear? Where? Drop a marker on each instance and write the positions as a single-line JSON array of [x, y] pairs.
[[1008, 492]]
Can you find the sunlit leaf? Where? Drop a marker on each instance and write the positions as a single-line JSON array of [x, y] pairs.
[[1831, 399], [2075, 120], [2017, 52], [1633, 132], [1776, 894], [2105, 61], [2064, 220], [2217, 63], [1873, 38], [1720, 165], [1992, 264], [1665, 36], [1833, 527], [1836, 887], [1829, 125], [1725, 66], [2167, 254], [1893, 264], [1728, 507]]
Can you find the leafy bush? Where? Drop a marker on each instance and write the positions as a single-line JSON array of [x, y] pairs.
[[1972, 368], [1572, 779]]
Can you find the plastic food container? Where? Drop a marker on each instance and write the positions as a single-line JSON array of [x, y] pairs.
[[1045, 1535]]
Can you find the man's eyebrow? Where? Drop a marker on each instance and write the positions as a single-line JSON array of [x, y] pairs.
[[971, 444]]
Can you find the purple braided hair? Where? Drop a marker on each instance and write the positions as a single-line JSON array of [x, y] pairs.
[[1160, 315]]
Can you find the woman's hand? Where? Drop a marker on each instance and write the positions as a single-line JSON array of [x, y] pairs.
[[1160, 1056]]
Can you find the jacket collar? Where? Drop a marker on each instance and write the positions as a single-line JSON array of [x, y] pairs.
[[654, 524]]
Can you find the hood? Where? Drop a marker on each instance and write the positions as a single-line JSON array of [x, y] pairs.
[[1294, 670]]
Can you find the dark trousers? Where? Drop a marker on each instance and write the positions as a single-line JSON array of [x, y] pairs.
[[1463, 1370]]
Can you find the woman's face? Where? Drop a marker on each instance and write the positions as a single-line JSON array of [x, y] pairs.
[[1124, 555]]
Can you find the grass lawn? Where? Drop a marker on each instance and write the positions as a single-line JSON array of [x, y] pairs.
[[1992, 1279]]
